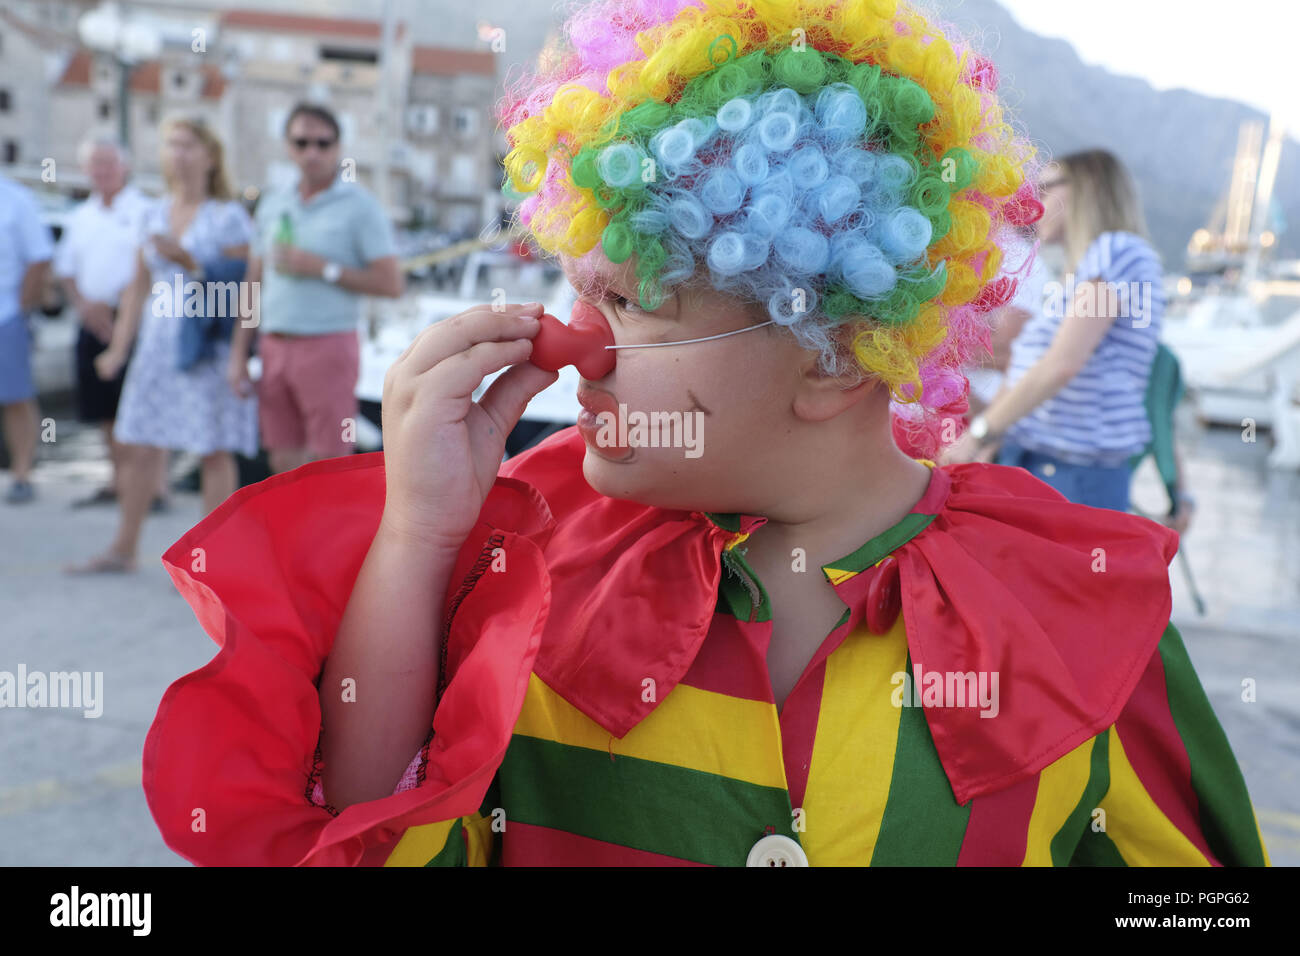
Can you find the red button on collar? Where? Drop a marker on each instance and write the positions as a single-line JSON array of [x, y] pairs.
[[884, 599]]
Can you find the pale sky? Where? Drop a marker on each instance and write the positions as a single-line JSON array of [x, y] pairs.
[[1246, 50]]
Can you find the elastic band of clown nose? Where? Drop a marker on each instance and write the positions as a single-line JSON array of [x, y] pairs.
[[707, 338], [588, 344]]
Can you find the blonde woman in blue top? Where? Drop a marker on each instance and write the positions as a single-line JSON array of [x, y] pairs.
[[1072, 411]]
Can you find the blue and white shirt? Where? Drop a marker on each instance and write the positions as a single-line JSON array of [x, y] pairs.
[[1099, 418], [24, 240]]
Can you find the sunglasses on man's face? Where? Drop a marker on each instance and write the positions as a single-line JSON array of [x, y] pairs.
[[300, 143]]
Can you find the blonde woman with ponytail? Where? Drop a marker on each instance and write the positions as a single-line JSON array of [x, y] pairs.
[[1073, 409]]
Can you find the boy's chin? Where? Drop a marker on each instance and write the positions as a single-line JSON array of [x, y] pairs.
[[614, 476], [641, 477]]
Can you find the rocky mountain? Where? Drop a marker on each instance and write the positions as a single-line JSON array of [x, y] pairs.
[[1180, 145]]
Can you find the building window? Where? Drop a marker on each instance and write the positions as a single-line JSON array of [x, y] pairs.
[[462, 171], [105, 109], [151, 112], [4, 101], [11, 151], [349, 54], [275, 120], [422, 119], [178, 80], [466, 122]]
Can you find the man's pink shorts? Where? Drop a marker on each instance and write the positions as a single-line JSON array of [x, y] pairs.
[[308, 391]]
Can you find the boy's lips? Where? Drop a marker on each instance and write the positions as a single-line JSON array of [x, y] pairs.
[[596, 402]]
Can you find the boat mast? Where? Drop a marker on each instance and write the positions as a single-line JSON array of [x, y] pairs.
[[1261, 237]]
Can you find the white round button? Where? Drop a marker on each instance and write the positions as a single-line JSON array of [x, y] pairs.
[[774, 850], [1049, 469]]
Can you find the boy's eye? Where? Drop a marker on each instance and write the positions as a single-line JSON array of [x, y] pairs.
[[628, 305]]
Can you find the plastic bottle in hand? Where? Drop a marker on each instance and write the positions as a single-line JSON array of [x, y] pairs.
[[284, 232]]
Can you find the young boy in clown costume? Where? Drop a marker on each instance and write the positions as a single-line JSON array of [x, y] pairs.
[[800, 646]]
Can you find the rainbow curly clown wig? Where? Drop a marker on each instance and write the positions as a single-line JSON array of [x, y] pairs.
[[841, 162]]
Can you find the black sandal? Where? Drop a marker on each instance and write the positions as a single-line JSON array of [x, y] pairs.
[[104, 496]]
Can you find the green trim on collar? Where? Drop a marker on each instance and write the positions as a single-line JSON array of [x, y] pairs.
[[881, 545], [734, 589], [727, 522]]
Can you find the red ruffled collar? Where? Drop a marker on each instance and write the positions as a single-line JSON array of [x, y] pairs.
[[997, 573]]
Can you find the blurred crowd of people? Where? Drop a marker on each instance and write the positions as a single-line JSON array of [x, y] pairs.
[[1063, 393], [159, 371]]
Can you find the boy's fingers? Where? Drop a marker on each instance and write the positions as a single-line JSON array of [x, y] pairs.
[[459, 375], [507, 397], [451, 336]]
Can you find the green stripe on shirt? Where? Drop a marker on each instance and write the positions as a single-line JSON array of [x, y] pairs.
[[1226, 816], [642, 804], [923, 825], [1066, 841]]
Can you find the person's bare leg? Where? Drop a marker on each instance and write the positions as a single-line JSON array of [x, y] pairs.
[[21, 426], [287, 459], [219, 479], [164, 477], [114, 454], [137, 480]]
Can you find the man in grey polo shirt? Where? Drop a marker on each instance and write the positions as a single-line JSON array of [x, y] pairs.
[[322, 245]]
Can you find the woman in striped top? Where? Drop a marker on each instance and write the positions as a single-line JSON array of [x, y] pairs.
[[1073, 409]]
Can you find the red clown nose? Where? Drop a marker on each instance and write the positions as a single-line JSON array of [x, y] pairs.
[[581, 343]]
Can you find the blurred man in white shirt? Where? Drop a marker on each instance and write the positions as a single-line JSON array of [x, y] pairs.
[[96, 259]]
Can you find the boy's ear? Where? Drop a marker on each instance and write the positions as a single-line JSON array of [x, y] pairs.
[[820, 397]]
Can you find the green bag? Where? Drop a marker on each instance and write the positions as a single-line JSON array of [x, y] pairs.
[[1164, 392]]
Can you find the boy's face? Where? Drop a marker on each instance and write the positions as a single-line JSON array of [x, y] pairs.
[[727, 448]]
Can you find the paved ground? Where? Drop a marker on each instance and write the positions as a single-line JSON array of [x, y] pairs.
[[70, 786]]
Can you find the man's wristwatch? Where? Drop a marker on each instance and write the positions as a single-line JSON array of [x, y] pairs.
[[332, 272]]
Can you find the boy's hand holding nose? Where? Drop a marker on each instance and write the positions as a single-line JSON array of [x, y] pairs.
[[442, 449]]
